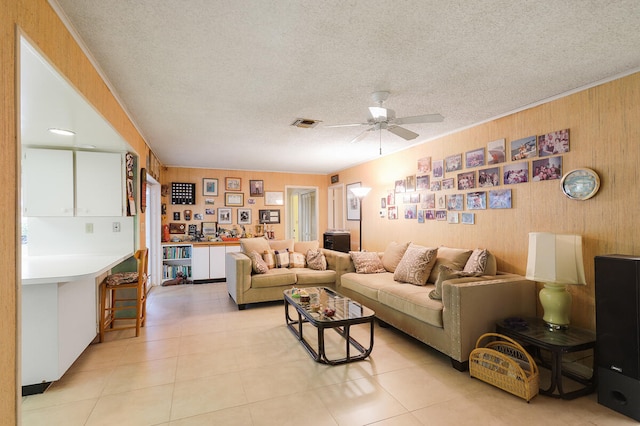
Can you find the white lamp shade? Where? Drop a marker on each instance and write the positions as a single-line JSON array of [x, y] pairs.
[[360, 191], [555, 258]]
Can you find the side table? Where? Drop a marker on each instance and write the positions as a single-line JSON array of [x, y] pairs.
[[535, 333]]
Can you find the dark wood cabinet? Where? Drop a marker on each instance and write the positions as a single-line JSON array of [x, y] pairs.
[[338, 241]]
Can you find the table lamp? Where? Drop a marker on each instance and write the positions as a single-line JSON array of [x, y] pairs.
[[556, 261], [360, 192]]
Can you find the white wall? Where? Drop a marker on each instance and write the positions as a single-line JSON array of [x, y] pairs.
[[68, 235]]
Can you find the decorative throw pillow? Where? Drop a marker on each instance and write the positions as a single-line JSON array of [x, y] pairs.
[[415, 265], [393, 255], [296, 260], [477, 261], [446, 273], [269, 258], [367, 262], [454, 258], [258, 265], [282, 258], [281, 245], [316, 260]]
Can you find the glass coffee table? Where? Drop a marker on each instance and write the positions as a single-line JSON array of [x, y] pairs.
[[327, 309]]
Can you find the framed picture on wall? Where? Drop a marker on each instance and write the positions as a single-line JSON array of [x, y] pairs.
[[224, 216], [269, 216], [233, 184], [353, 204], [274, 198], [256, 188], [210, 187], [234, 199], [244, 216]]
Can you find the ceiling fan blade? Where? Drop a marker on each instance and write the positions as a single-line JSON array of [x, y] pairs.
[[402, 132], [348, 125], [427, 118], [361, 135]]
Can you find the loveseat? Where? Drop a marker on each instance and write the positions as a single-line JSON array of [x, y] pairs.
[[426, 293], [263, 269]]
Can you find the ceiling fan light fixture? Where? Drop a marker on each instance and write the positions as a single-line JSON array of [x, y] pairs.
[[378, 113]]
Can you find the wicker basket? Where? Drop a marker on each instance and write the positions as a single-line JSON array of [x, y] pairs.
[[502, 362]]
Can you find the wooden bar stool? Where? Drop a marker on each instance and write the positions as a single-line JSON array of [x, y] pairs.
[[116, 294]]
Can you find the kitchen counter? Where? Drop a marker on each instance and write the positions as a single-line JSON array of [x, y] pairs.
[[63, 268], [59, 312]]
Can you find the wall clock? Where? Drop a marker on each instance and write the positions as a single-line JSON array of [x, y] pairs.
[[580, 184]]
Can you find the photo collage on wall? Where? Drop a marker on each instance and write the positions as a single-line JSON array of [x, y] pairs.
[[481, 175]]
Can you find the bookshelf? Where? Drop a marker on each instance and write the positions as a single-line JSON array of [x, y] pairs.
[[176, 258]]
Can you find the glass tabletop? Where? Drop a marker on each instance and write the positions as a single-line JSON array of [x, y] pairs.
[[325, 304], [536, 329]]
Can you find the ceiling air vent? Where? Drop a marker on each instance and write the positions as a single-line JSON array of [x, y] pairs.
[[305, 123]]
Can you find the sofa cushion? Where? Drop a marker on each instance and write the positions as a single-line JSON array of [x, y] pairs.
[[310, 276], [367, 262], [393, 255], [297, 260], [258, 265], [414, 301], [367, 285], [446, 273], [305, 246], [281, 244], [416, 265], [259, 244], [274, 278], [454, 258], [316, 260]]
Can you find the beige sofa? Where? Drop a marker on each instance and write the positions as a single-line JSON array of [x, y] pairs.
[[245, 285], [469, 306]]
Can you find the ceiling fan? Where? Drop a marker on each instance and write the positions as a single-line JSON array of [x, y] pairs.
[[381, 118]]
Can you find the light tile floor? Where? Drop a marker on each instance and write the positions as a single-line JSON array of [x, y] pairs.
[[200, 361]]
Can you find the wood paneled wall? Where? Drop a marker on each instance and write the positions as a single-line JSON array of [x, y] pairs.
[[604, 123], [272, 182]]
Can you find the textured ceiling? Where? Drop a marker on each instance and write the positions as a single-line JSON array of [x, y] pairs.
[[216, 84]]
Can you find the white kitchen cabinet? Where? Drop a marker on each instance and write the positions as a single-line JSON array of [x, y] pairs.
[[99, 189], [48, 183], [200, 263], [216, 262], [64, 183]]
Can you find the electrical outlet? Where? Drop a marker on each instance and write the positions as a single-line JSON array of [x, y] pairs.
[[116, 226], [88, 228]]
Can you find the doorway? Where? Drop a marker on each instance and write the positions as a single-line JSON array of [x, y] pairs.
[[336, 205], [153, 225], [302, 213]]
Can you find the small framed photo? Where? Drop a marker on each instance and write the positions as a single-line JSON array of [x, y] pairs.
[[197, 216], [453, 163], [466, 180], [422, 183], [516, 173], [429, 201], [209, 211], [210, 187], [468, 218], [209, 228], [353, 204], [453, 217], [424, 165], [455, 202], [523, 148], [474, 158], [489, 177], [410, 211], [269, 216], [438, 169], [256, 188], [500, 199], [392, 212], [548, 168], [553, 143], [209, 201], [335, 179], [244, 216], [224, 216], [234, 199], [441, 215], [233, 184], [448, 183], [274, 198], [410, 184], [496, 152], [176, 215], [476, 200], [400, 185], [435, 185]]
